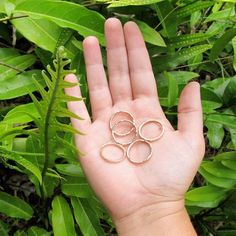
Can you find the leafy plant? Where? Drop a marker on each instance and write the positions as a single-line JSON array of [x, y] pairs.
[[186, 39]]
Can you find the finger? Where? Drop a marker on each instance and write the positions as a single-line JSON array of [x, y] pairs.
[[190, 120], [77, 107], [117, 61], [142, 78], [97, 83]]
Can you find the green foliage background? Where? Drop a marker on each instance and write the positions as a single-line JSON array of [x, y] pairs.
[[43, 190]]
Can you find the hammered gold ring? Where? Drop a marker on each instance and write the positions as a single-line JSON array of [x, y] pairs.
[[120, 122], [115, 136], [117, 114]]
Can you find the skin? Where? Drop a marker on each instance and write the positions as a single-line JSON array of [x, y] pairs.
[[147, 198]]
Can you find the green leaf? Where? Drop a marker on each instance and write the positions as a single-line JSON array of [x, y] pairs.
[[62, 218], [124, 3], [215, 134], [50, 183], [77, 187], [81, 19], [20, 84], [234, 47], [9, 8], [193, 7], [227, 0], [15, 207], [189, 39], [65, 36], [195, 19], [29, 166], [206, 196], [231, 164], [221, 43], [194, 62], [36, 231], [20, 233], [182, 77], [217, 169], [19, 113], [221, 15], [70, 169], [4, 229], [150, 35], [229, 95], [210, 100], [2, 6], [33, 29], [34, 146], [167, 18], [14, 65], [172, 60], [217, 181], [224, 119], [173, 89], [226, 156], [8, 53], [86, 218], [217, 85], [233, 137]]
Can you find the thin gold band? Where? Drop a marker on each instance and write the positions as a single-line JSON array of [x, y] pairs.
[[151, 121], [113, 144], [132, 144]]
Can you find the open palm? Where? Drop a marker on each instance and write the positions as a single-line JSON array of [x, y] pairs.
[[124, 187]]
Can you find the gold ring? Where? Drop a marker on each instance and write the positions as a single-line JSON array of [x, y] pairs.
[[117, 113], [110, 160], [114, 135], [123, 121], [151, 121], [145, 159]]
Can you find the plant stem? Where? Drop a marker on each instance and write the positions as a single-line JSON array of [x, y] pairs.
[[12, 18], [47, 120]]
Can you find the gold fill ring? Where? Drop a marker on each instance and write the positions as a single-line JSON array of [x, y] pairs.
[[130, 147], [117, 114], [115, 136], [120, 122], [147, 122], [109, 159]]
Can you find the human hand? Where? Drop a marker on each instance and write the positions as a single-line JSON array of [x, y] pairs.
[[158, 185]]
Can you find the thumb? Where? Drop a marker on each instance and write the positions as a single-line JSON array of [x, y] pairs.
[[190, 120]]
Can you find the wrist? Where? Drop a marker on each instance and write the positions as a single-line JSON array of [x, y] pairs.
[[169, 218]]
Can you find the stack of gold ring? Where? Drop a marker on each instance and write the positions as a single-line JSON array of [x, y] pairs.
[[134, 132]]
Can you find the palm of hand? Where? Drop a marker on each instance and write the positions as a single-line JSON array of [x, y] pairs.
[[124, 187]]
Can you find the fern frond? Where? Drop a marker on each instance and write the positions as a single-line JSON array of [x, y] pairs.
[[51, 107]]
